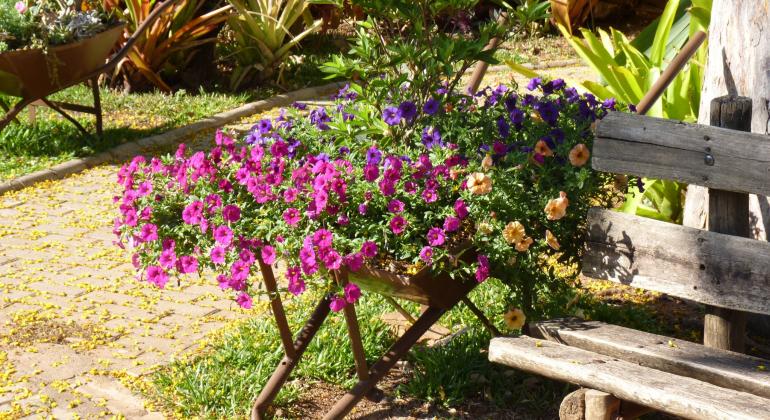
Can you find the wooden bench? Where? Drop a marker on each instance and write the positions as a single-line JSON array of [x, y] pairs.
[[629, 372]]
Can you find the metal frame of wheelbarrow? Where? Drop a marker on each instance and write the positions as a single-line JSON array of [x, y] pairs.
[[367, 376], [91, 78]]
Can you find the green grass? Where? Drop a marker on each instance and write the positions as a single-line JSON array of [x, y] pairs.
[[28, 147]]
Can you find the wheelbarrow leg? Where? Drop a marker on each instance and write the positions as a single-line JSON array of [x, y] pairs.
[[288, 363], [97, 105], [386, 362], [10, 114], [67, 116]]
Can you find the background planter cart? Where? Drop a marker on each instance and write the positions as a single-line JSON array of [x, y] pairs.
[[33, 75]]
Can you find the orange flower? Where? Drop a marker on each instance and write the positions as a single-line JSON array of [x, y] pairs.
[[479, 184], [515, 318], [551, 240], [542, 148], [557, 207], [524, 244], [486, 163], [579, 155], [514, 232]]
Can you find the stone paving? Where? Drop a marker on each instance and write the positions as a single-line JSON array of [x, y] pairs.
[[77, 329]]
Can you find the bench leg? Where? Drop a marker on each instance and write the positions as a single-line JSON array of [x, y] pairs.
[[601, 405]]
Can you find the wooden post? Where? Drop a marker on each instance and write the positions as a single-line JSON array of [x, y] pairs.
[[728, 213], [601, 405]]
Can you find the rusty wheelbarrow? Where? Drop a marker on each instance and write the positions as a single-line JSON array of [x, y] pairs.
[[33, 75]]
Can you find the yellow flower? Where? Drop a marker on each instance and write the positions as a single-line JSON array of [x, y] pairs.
[[515, 318], [557, 207], [479, 184], [551, 240], [486, 163], [523, 246], [542, 148], [514, 232], [579, 155]]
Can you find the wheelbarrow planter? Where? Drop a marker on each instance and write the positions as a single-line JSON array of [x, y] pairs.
[[435, 289], [33, 75]]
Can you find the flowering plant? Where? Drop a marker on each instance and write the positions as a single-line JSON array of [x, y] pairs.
[[39, 24], [507, 174]]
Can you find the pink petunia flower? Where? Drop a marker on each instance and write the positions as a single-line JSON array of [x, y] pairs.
[[291, 216], [268, 254], [436, 236], [223, 235], [337, 304], [398, 224], [187, 264], [426, 254], [369, 249], [167, 258], [395, 206], [231, 213], [244, 300], [217, 255], [157, 276], [451, 224], [149, 233], [352, 292]]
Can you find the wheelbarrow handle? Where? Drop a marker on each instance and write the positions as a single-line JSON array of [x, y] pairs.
[[139, 32]]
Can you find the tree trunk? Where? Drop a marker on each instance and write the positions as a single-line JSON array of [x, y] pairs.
[[738, 65]]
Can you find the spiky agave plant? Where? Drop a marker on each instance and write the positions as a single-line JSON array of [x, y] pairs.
[[262, 31], [170, 43]]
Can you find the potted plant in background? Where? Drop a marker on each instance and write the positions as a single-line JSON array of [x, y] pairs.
[[46, 45]]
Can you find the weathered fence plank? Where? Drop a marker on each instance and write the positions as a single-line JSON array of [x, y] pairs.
[[680, 261], [696, 154], [653, 388], [725, 369]]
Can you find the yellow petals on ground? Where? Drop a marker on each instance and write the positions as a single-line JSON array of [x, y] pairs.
[[579, 155], [515, 319], [479, 183], [557, 207]]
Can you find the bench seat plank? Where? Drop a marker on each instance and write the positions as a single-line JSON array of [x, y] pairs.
[[706, 267], [673, 394], [667, 149], [722, 368]]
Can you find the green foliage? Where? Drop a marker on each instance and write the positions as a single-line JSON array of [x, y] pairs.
[[531, 16], [29, 147], [168, 46], [264, 37], [404, 47]]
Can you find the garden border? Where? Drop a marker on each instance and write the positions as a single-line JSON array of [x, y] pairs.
[[128, 150]]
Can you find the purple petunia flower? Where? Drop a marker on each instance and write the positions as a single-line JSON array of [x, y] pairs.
[[431, 106], [503, 128], [517, 116], [534, 83], [431, 137], [391, 116], [451, 224], [373, 156], [482, 272], [461, 209], [407, 110]]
